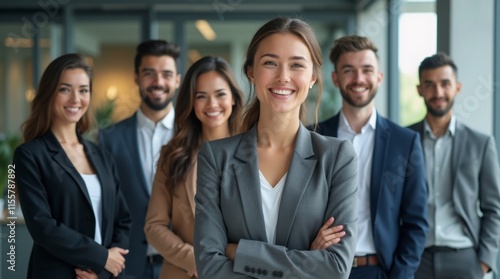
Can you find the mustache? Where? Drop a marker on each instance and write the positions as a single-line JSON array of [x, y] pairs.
[[439, 98], [154, 87]]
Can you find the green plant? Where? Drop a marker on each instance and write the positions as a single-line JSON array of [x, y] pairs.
[[8, 144], [104, 114]]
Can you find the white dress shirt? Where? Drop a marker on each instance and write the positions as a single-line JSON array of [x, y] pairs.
[[363, 145], [271, 200], [151, 137]]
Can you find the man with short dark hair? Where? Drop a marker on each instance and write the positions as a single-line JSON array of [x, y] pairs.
[[392, 194], [463, 177], [135, 144]]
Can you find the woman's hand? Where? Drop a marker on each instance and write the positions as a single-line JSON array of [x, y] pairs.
[[85, 274], [115, 262], [327, 236], [231, 251]]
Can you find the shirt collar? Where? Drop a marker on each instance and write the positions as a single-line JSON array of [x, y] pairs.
[[372, 122], [167, 121], [451, 127]]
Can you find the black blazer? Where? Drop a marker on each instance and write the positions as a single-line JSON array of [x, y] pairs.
[[58, 211], [121, 141]]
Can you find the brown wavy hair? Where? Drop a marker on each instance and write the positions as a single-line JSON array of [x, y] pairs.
[[282, 25], [42, 107], [180, 152]]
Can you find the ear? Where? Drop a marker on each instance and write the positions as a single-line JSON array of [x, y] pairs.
[[380, 77], [177, 81], [335, 79], [250, 74], [419, 90], [313, 80], [136, 79], [459, 87]]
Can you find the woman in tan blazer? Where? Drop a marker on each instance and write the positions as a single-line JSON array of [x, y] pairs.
[[208, 107]]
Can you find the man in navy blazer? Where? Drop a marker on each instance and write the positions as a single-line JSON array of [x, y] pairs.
[[135, 144], [392, 224], [463, 177]]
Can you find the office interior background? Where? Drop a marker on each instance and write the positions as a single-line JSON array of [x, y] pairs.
[[34, 32]]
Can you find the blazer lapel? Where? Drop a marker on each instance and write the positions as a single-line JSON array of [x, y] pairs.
[[380, 151], [191, 187], [246, 172], [130, 138], [458, 148], [61, 159], [299, 173]]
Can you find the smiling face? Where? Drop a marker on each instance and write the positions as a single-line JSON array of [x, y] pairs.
[[357, 77], [282, 73], [213, 101], [73, 97], [157, 79], [439, 87]]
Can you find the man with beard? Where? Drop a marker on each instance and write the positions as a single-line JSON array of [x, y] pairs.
[[135, 144], [392, 224], [463, 177]]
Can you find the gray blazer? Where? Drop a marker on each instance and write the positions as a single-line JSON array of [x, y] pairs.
[[321, 182], [476, 188]]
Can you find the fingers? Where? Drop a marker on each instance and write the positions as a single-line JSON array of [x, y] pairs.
[[115, 263], [328, 236]]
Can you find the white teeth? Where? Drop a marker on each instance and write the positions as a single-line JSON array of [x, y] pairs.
[[73, 109], [359, 89], [214, 113], [282, 92]]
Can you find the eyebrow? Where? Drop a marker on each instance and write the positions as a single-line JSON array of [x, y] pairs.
[[216, 91], [153, 70], [70, 85], [276, 56], [363, 66], [427, 81]]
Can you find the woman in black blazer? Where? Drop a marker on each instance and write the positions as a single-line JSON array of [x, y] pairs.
[[68, 187]]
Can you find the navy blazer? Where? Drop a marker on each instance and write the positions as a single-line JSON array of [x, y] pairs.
[[321, 183], [58, 211], [121, 141], [398, 196]]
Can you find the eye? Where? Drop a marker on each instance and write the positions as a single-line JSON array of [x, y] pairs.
[[64, 90], [270, 63], [199, 96], [84, 91], [221, 94], [297, 65]]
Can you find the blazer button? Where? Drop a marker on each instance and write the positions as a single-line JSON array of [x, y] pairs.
[[252, 270], [264, 272], [280, 274], [247, 268], [259, 271], [275, 273]]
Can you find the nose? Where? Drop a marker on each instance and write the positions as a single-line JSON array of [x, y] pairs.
[[283, 75], [358, 76], [212, 102], [158, 78]]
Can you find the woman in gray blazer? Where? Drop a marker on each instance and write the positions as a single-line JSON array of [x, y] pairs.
[[266, 198], [68, 187]]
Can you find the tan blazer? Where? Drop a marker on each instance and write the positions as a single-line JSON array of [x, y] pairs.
[[175, 244]]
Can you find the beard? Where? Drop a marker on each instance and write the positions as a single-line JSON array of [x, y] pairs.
[[358, 103], [439, 112], [156, 105]]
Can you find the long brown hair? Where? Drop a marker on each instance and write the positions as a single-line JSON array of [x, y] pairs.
[[282, 25], [179, 153], [42, 107]]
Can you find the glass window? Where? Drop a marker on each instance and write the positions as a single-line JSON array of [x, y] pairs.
[[417, 40]]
